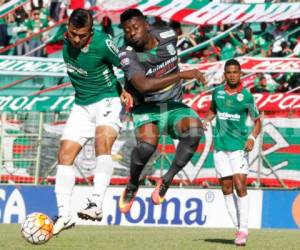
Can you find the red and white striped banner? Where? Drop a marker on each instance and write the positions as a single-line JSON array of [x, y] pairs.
[[10, 6], [205, 12], [252, 65]]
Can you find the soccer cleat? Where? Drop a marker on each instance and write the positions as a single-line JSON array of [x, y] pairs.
[[62, 223], [91, 212], [126, 199], [241, 238], [158, 195]]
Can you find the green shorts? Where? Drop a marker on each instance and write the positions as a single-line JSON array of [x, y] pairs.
[[164, 114]]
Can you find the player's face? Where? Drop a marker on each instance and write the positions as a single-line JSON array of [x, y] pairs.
[[136, 32], [232, 74], [78, 37]]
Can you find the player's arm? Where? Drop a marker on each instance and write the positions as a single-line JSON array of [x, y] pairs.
[[110, 52], [254, 114], [211, 113]]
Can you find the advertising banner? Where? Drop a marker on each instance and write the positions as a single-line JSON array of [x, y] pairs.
[[18, 65], [281, 209], [183, 207], [18, 201]]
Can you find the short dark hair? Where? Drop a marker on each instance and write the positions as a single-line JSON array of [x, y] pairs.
[[130, 13], [232, 62], [81, 18]]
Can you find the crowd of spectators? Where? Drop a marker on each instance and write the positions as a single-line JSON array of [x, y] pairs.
[[279, 39]]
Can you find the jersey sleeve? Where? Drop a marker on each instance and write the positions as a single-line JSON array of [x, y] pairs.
[[130, 64], [252, 108], [110, 52]]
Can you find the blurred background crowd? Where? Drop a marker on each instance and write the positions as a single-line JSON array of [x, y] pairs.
[[37, 29]]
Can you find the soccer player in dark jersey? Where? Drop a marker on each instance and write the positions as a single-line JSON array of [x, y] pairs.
[[150, 62], [231, 104], [89, 56]]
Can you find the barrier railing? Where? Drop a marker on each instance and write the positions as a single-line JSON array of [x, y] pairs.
[[30, 140]]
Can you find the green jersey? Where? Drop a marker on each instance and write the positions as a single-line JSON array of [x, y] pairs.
[[231, 132], [90, 69]]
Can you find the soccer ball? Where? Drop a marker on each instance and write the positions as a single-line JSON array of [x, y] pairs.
[[37, 228]]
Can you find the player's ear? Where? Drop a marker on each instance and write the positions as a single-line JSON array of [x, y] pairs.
[[147, 26]]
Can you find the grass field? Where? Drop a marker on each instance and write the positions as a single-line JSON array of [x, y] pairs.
[[151, 238]]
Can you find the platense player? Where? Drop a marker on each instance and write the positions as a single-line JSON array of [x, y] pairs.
[[150, 63], [231, 104], [89, 56]]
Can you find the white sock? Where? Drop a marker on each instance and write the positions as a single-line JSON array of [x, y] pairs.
[[243, 208], [103, 172], [231, 204], [64, 184]]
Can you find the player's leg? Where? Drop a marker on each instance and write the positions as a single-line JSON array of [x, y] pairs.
[[108, 124], [104, 139], [145, 120], [76, 132], [224, 174], [147, 138], [64, 184], [240, 163], [187, 127]]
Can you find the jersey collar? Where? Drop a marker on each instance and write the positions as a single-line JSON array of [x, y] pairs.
[[238, 89]]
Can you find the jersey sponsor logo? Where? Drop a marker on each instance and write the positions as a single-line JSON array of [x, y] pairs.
[[221, 92], [111, 46], [228, 116], [240, 97], [171, 49], [161, 66], [167, 34], [220, 97], [72, 69]]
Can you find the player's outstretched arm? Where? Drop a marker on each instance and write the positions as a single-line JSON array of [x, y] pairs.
[[150, 84]]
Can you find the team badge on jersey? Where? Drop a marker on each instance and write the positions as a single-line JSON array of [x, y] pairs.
[[240, 97], [111, 46], [125, 61], [171, 49]]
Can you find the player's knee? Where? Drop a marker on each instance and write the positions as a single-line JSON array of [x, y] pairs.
[[241, 190], [65, 157], [192, 136], [142, 152]]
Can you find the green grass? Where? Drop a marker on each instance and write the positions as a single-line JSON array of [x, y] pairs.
[[152, 238]]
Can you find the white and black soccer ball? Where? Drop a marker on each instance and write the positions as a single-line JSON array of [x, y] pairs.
[[37, 228]]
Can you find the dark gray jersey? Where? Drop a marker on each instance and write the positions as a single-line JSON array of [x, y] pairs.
[[160, 61]]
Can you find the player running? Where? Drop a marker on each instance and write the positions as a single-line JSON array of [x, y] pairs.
[[89, 56], [150, 63], [231, 104]]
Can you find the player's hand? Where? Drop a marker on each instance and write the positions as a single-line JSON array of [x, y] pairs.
[[126, 99], [193, 74], [249, 145]]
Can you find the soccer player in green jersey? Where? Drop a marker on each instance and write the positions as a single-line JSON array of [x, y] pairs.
[[89, 56], [150, 62], [230, 105]]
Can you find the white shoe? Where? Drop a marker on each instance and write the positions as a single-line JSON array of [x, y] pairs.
[[63, 223], [91, 212]]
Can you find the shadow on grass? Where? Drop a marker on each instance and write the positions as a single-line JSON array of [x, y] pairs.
[[219, 241]]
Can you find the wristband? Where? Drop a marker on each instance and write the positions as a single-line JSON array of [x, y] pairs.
[[252, 137]]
